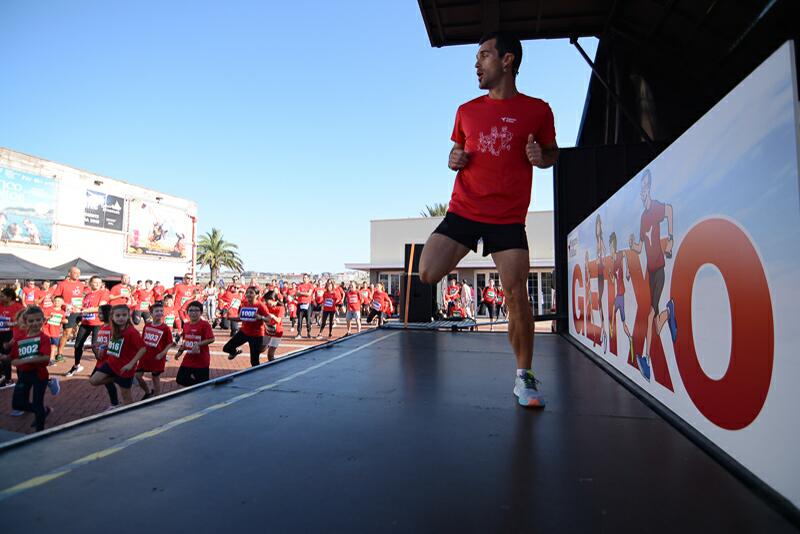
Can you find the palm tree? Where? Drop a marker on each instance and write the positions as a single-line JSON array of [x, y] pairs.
[[215, 253], [437, 210]]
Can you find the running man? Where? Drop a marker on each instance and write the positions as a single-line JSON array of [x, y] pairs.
[[601, 279], [498, 138], [72, 289], [650, 239]]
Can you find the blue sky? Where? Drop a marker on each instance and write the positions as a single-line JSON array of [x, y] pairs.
[[291, 125]]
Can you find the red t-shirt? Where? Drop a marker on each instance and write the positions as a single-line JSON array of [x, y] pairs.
[[233, 301], [156, 339], [172, 319], [120, 294], [144, 299], [489, 294], [47, 301], [25, 347], [72, 293], [54, 319], [275, 328], [8, 316], [194, 333], [183, 293], [339, 295], [319, 295], [101, 343], [158, 292], [329, 300], [354, 300], [290, 294], [380, 301], [650, 235], [304, 288], [452, 293], [247, 315], [365, 295], [30, 295], [495, 186], [121, 351], [93, 300], [619, 273], [458, 311], [501, 295]]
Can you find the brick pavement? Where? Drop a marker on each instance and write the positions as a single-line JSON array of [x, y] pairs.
[[78, 399]]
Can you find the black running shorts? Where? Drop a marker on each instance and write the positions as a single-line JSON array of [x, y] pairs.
[[496, 237]]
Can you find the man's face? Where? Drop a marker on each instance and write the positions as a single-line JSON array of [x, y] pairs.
[[126, 279], [489, 65], [188, 279], [645, 193], [94, 284], [31, 284], [46, 284], [305, 279], [74, 273]]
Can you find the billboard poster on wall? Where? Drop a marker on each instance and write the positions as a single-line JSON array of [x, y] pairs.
[[686, 280], [157, 230], [27, 207], [103, 211]]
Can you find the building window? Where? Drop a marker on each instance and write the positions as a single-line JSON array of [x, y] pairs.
[[533, 291]]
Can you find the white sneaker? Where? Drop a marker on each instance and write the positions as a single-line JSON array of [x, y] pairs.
[[16, 413], [74, 370], [55, 387], [527, 391]]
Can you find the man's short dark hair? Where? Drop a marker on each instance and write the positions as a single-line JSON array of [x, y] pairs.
[[505, 44]]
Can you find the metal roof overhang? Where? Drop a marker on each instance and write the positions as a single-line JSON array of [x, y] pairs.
[[690, 53]]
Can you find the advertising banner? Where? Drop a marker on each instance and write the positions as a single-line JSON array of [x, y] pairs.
[[103, 211], [157, 230], [27, 207], [686, 280]]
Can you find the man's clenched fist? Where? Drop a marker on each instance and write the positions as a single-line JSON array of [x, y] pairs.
[[458, 159]]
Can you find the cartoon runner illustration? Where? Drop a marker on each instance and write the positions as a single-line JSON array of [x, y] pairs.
[[619, 273], [650, 236], [601, 278], [587, 316]]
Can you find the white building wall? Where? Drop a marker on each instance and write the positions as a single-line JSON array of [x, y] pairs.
[[71, 238]]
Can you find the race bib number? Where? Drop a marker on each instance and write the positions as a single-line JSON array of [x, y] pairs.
[[235, 303], [115, 347], [169, 320], [184, 300], [304, 306], [124, 292], [247, 314], [55, 319], [144, 306], [490, 295], [77, 301], [376, 305], [353, 299], [272, 329], [152, 337], [328, 303], [90, 316], [457, 313], [5, 324], [28, 348], [192, 343]]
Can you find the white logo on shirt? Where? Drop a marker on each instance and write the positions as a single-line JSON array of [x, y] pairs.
[[495, 142], [510, 120]]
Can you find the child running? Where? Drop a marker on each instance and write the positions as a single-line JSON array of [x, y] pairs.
[[252, 315], [354, 305], [55, 317], [99, 349], [157, 339], [197, 336], [125, 349], [274, 327], [30, 354], [329, 297]]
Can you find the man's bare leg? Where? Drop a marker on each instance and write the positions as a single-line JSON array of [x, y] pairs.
[[439, 256], [514, 266]]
